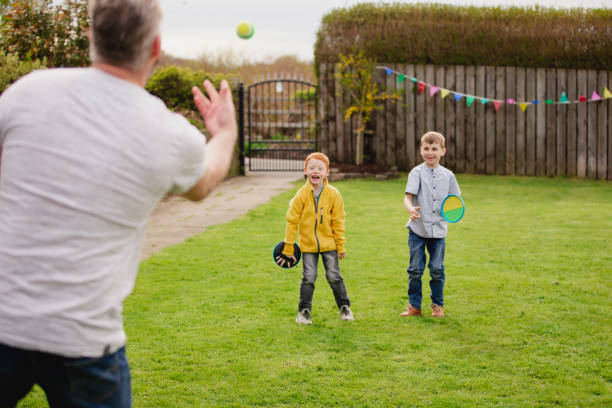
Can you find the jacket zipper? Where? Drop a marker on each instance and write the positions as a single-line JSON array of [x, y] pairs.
[[316, 219]]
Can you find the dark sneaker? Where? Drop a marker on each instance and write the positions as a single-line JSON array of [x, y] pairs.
[[303, 317], [411, 311], [437, 310], [346, 314]]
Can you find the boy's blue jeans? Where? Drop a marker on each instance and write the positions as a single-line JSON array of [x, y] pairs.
[[332, 273], [435, 248], [102, 382]]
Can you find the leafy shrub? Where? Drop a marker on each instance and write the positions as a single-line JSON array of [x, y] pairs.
[[173, 85], [458, 35], [303, 96], [256, 146], [46, 30], [12, 68]]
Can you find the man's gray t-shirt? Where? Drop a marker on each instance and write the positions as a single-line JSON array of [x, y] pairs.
[[86, 157], [429, 187]]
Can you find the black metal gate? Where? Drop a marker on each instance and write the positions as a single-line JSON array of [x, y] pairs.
[[281, 126]]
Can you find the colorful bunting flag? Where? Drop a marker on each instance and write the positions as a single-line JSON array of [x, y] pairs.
[[496, 103]]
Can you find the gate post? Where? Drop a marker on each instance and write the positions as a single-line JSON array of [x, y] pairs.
[[241, 127]]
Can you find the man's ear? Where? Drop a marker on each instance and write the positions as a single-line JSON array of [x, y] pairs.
[[156, 48]]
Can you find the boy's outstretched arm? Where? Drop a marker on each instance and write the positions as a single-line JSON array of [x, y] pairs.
[[414, 211]]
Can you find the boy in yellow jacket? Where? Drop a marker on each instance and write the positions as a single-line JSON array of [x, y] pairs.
[[317, 210]]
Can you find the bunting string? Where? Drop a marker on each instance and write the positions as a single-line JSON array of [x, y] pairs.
[[497, 103]]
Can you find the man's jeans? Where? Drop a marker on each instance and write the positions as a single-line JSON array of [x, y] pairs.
[[332, 273], [102, 382], [435, 248]]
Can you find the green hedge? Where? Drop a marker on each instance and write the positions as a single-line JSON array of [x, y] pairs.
[[12, 68], [454, 35], [173, 85]]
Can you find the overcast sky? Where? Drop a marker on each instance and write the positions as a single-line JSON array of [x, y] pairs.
[[193, 28]]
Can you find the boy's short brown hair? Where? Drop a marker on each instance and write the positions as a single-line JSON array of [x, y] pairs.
[[318, 156], [433, 137]]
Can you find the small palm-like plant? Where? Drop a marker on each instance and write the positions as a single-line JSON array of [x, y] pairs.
[[354, 74]]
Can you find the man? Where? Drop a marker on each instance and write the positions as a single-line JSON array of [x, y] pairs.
[[87, 154]]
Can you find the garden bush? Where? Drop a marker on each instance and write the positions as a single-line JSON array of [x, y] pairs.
[[173, 85], [12, 68], [46, 29]]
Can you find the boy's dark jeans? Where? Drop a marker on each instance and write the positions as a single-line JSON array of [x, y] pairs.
[[332, 273], [435, 248], [102, 382]]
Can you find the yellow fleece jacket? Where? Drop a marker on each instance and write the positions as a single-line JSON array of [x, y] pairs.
[[321, 227]]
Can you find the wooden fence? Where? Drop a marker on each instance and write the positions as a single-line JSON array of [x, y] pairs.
[[573, 139]]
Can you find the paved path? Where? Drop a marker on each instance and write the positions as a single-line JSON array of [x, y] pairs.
[[176, 219]]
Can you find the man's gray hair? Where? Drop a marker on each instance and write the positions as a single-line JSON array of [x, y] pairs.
[[123, 31]]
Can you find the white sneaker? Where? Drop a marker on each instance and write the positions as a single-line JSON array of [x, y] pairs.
[[346, 314], [303, 317]]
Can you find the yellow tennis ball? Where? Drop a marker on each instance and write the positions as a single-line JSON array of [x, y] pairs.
[[245, 30]]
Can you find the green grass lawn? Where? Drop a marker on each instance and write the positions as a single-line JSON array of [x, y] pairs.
[[528, 298]]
